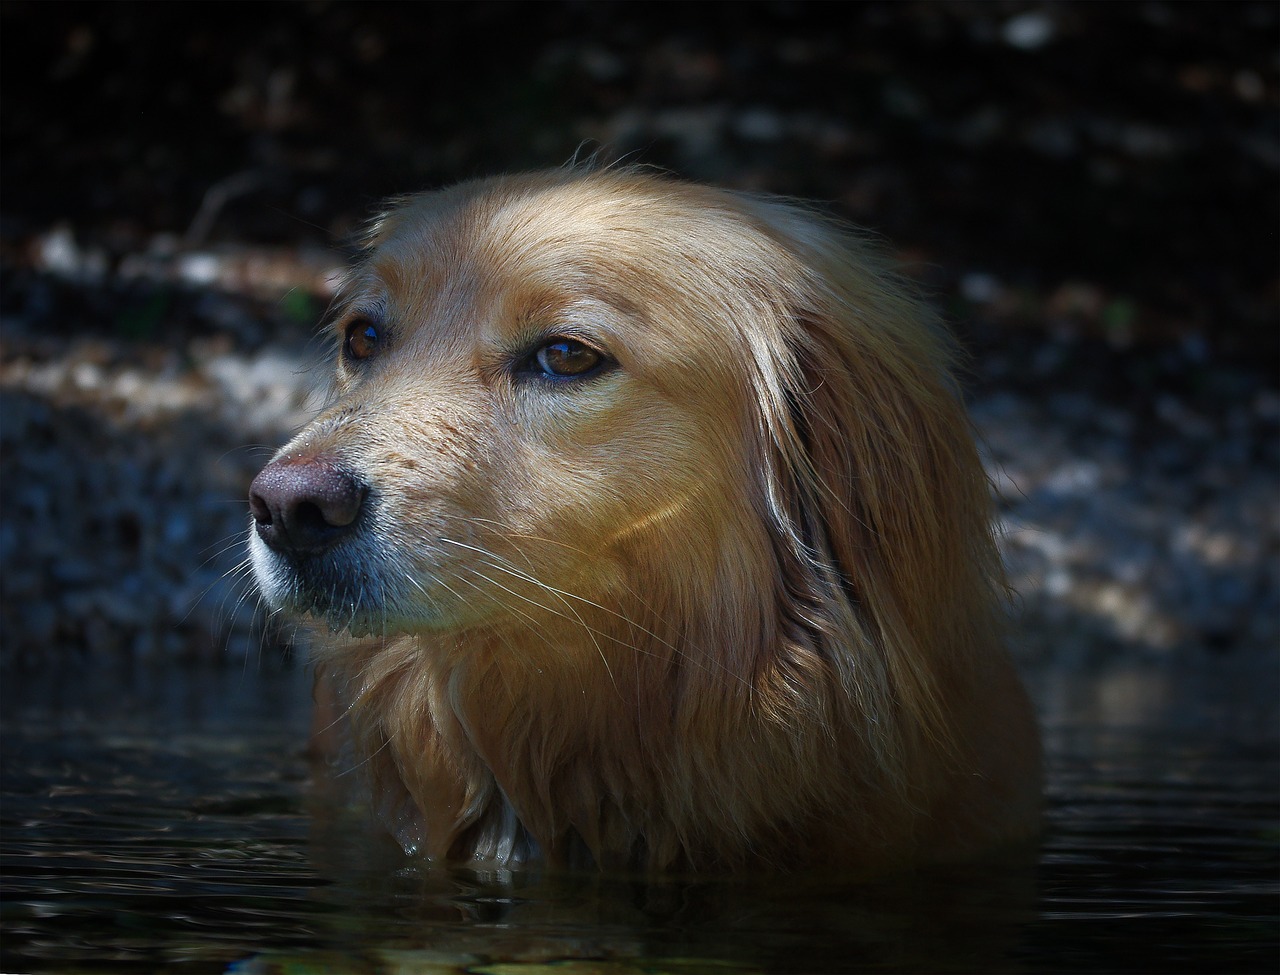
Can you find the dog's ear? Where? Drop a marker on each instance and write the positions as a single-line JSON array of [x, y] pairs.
[[877, 488]]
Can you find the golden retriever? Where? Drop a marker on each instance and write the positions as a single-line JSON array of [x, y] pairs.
[[654, 535]]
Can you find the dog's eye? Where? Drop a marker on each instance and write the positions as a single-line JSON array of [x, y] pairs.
[[363, 339], [567, 359]]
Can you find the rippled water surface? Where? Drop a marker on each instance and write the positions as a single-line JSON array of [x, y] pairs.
[[166, 821]]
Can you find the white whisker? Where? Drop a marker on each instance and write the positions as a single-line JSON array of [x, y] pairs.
[[576, 617]]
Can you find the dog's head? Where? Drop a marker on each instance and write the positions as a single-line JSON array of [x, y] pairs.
[[665, 524], [574, 394]]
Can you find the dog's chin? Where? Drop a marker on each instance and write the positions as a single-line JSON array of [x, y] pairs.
[[349, 614], [319, 589]]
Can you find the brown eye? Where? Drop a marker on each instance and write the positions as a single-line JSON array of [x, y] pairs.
[[567, 359], [362, 339]]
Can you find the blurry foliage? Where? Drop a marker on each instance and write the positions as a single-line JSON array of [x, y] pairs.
[[140, 320], [1132, 146], [300, 307]]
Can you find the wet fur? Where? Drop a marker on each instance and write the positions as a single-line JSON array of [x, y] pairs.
[[733, 602]]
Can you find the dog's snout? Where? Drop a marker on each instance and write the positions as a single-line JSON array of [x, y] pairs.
[[303, 504]]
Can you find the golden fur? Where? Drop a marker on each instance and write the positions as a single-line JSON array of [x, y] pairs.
[[730, 599]]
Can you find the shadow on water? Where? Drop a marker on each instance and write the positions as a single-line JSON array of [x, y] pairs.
[[166, 820]]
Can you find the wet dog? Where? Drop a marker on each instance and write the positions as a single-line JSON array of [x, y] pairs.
[[653, 534]]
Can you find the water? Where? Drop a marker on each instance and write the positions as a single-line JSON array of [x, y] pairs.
[[166, 821]]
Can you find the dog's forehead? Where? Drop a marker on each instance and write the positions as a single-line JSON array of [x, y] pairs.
[[508, 221], [522, 242]]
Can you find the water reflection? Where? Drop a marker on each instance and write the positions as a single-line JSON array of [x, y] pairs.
[[165, 821]]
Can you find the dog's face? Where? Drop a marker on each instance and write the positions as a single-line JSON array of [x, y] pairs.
[[534, 388]]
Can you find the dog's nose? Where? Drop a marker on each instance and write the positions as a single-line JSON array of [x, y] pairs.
[[303, 504]]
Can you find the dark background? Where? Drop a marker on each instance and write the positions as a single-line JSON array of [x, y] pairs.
[[1134, 147], [1090, 192]]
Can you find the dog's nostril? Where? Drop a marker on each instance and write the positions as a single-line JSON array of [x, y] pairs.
[[259, 509], [310, 518], [304, 504]]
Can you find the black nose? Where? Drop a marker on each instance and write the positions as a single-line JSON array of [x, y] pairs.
[[303, 504]]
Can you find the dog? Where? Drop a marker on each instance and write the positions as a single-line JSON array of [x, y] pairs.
[[651, 532]]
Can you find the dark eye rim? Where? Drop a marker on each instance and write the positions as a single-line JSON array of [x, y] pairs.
[[532, 363], [359, 328]]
